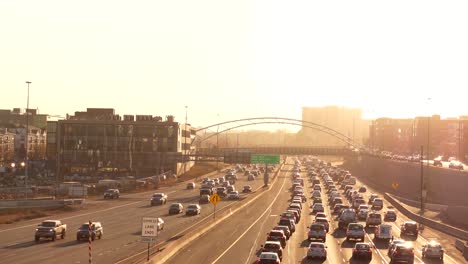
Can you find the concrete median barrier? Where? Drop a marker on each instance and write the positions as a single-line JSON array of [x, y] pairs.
[[181, 240], [38, 204]]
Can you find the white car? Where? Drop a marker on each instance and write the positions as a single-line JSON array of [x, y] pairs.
[[433, 250], [233, 195], [383, 232], [317, 250]]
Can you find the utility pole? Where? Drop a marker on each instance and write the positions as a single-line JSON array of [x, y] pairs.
[[27, 140], [184, 151], [422, 179]]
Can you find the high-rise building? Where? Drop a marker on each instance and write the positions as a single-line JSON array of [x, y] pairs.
[[347, 121]]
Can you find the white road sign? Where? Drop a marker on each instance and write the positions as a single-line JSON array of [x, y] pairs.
[[149, 227]]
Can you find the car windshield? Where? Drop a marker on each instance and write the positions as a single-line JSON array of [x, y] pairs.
[[316, 246], [410, 226], [316, 227], [272, 246], [48, 224], [192, 207], [174, 206], [385, 229], [355, 227], [84, 227], [362, 246], [157, 195]]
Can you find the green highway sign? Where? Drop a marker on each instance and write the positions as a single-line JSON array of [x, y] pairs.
[[264, 159]]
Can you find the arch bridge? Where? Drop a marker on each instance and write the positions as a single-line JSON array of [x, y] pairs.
[[220, 154]]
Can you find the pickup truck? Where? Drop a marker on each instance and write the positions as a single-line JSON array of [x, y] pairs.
[[50, 229]]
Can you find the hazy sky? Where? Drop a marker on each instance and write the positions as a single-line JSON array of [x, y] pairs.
[[235, 58]]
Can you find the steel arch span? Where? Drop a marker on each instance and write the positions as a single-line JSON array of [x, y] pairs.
[[234, 124]]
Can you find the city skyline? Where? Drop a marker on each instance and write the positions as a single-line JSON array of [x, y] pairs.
[[258, 59]]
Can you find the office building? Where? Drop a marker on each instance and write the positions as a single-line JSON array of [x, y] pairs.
[[100, 142]]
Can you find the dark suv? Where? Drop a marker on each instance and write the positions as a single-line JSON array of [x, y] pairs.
[[83, 231], [409, 229], [403, 252]]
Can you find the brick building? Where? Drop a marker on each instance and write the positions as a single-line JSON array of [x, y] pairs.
[[100, 142]]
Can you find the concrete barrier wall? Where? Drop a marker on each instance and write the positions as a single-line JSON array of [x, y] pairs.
[[444, 186], [429, 206], [38, 203], [459, 233]]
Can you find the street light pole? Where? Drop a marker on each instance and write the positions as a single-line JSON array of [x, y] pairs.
[[27, 140], [185, 144]]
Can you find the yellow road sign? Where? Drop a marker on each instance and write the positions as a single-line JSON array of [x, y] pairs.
[[215, 198], [395, 185]]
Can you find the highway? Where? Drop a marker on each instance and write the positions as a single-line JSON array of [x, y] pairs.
[[121, 220], [239, 239]]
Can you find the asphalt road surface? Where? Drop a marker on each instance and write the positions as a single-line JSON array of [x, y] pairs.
[[121, 220], [238, 239]]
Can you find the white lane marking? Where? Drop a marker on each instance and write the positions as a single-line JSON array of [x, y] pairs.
[[250, 227], [208, 216], [256, 239], [376, 249], [74, 216]]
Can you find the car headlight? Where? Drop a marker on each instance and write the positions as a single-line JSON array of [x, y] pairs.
[[37, 229], [51, 230]]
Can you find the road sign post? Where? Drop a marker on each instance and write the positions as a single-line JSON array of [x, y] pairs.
[[214, 199], [149, 231]]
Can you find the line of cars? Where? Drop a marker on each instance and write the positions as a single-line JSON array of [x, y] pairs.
[[277, 237], [351, 214]]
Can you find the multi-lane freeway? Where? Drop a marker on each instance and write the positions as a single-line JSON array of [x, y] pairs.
[[121, 220], [234, 240], [239, 239]]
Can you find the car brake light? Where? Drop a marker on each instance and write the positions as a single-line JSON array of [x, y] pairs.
[[310, 249], [324, 250], [355, 250]]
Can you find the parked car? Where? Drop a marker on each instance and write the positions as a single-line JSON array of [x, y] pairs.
[[193, 209], [176, 208], [190, 185], [96, 231], [158, 198], [454, 164], [50, 229], [111, 194]]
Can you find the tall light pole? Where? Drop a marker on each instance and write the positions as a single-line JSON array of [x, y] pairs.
[[27, 140], [185, 144], [217, 146]]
